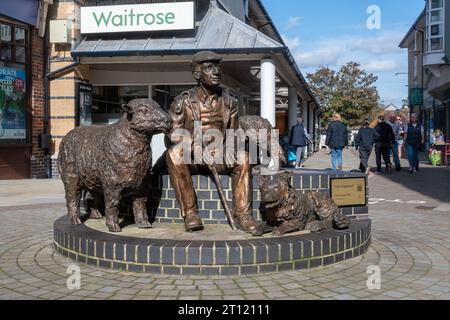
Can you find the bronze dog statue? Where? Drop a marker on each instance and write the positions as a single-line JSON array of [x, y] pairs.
[[288, 210]]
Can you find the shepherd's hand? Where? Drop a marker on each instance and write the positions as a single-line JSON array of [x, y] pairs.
[[208, 159]]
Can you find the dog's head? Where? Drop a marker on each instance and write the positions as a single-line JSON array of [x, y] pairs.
[[274, 188]]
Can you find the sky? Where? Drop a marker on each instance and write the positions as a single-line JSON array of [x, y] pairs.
[[332, 33]]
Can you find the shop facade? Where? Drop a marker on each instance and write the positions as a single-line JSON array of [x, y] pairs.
[[106, 53], [22, 62], [428, 44]]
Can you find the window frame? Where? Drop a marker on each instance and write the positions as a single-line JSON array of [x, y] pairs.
[[14, 44], [26, 67], [430, 24]]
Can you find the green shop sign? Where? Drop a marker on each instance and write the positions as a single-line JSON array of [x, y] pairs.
[[140, 17], [415, 96]]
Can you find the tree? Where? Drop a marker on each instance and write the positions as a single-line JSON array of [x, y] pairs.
[[351, 92]]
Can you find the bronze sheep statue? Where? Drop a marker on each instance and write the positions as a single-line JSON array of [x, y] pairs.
[[112, 162]]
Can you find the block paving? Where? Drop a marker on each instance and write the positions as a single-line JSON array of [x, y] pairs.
[[413, 257]]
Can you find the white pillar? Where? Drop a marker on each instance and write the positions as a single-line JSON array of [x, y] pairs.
[[158, 145], [292, 108], [304, 109], [305, 120], [268, 108]]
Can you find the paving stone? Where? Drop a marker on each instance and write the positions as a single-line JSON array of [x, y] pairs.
[[414, 263]]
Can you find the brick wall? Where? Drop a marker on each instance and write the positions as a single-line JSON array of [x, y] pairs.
[[38, 160], [63, 88], [165, 208]]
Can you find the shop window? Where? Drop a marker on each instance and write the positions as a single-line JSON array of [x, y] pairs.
[[107, 101], [6, 52], [13, 44], [13, 80], [20, 54], [165, 95], [5, 32], [20, 36]]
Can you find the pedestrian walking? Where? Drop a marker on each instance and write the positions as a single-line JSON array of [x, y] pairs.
[[337, 140], [414, 141], [364, 142], [396, 128], [401, 137], [383, 143], [299, 140]]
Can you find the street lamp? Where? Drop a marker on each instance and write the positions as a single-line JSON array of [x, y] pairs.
[[399, 73]]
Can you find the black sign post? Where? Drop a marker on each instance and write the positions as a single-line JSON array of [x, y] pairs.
[[84, 104]]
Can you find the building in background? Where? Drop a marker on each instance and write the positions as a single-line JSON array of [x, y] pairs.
[[428, 44], [22, 84], [105, 53], [66, 63]]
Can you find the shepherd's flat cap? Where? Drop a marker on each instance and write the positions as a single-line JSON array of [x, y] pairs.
[[203, 56]]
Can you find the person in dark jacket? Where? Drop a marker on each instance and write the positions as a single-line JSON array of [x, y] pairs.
[[337, 140], [364, 142], [383, 143], [299, 140], [414, 140]]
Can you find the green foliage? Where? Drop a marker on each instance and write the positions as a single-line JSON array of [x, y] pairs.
[[351, 91]]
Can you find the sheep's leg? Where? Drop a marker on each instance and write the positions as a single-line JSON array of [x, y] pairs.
[[140, 212], [94, 205], [73, 197], [112, 202]]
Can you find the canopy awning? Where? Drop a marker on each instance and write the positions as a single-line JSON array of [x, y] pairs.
[[217, 31]]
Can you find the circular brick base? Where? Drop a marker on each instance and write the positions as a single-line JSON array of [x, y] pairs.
[[258, 255]]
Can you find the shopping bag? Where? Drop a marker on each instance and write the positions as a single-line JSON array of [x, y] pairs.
[[292, 154], [435, 158]]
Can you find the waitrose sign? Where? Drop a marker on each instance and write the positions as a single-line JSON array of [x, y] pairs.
[[138, 17]]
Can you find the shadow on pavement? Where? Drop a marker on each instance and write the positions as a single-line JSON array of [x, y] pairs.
[[433, 182]]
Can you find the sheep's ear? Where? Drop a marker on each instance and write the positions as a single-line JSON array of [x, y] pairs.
[[127, 108]]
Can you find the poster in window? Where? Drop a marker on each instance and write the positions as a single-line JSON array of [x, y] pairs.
[[12, 104]]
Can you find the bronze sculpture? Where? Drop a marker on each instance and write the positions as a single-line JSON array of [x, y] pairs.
[[216, 110], [112, 162], [257, 123], [288, 210]]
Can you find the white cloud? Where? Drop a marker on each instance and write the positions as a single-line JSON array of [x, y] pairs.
[[322, 56], [381, 65], [292, 43], [292, 22], [382, 44]]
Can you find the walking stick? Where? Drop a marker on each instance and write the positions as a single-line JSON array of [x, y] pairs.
[[223, 198]]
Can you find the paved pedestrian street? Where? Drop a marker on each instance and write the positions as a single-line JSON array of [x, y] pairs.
[[410, 246]]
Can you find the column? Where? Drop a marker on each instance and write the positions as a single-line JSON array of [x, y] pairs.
[[268, 108], [158, 145], [305, 120], [292, 108]]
